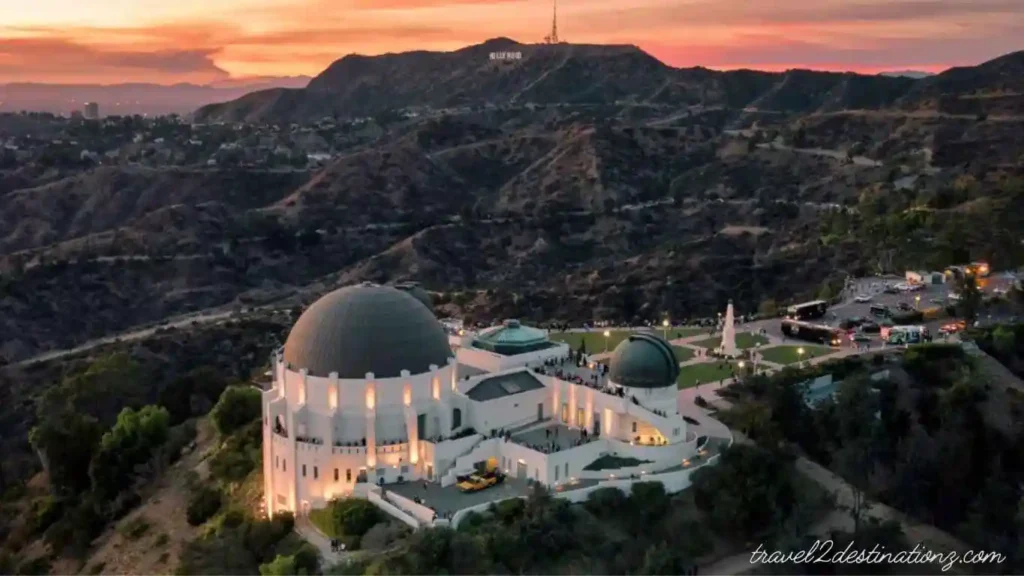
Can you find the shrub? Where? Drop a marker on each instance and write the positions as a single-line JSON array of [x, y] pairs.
[[700, 401], [205, 502], [238, 406], [135, 528]]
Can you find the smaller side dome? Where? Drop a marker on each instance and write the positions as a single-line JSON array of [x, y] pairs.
[[644, 360]]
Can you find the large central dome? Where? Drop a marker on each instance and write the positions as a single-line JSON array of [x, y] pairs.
[[367, 328]]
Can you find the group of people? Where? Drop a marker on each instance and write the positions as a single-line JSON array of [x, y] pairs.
[[337, 545], [553, 445]]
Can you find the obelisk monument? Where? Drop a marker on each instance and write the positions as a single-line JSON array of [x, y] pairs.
[[728, 347]]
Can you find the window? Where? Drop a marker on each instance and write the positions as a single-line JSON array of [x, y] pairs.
[[277, 462], [634, 427], [348, 475], [456, 418], [316, 473], [335, 474], [303, 470], [675, 431], [565, 412], [566, 469], [556, 473], [282, 500], [284, 464], [581, 419], [405, 469]]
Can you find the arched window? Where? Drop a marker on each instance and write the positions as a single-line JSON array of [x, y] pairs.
[[456, 418]]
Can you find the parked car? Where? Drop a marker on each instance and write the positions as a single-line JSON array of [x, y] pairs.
[[863, 298], [904, 306], [890, 289], [477, 482], [861, 337], [870, 328]]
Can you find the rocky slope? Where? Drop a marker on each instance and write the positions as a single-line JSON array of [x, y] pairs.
[[626, 208]]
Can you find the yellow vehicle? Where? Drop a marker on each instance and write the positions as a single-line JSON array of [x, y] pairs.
[[476, 482]]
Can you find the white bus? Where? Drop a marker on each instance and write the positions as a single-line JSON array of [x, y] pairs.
[[905, 334]]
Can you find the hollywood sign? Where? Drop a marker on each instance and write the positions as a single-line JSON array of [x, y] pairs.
[[506, 55]]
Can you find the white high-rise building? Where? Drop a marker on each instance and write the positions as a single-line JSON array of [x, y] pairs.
[[91, 111]]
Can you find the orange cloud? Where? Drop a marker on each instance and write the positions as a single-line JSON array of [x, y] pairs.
[[286, 37]]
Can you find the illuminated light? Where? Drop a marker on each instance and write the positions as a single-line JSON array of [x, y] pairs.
[[407, 395], [371, 399], [437, 389], [607, 334], [521, 461], [462, 332], [664, 323]]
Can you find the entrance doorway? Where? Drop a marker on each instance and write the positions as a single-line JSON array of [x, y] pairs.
[[597, 425], [304, 508], [430, 471], [540, 411], [421, 424], [521, 470]]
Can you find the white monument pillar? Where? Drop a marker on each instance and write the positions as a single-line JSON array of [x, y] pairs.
[[728, 347]]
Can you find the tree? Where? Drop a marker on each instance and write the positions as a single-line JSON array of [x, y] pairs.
[[767, 308], [132, 441], [970, 297], [238, 406], [66, 446], [855, 409]]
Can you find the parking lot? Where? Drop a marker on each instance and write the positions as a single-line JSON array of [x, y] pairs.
[[931, 296]]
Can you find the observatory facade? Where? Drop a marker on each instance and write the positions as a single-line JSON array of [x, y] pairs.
[[367, 391]]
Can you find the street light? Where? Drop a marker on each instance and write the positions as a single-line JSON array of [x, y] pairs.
[[664, 324], [607, 335], [800, 352], [917, 301]]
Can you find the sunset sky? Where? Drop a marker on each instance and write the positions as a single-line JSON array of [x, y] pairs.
[[166, 41]]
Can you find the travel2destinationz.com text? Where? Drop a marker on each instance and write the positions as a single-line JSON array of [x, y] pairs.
[[823, 552]]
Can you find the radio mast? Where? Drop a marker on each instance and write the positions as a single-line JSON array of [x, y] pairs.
[[552, 38]]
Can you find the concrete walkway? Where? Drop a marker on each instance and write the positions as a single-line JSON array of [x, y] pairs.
[[310, 533]]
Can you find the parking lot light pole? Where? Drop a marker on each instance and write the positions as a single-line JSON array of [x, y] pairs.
[[607, 335]]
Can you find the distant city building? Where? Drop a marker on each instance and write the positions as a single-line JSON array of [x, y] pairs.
[[91, 111]]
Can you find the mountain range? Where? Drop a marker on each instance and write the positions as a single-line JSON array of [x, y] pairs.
[[135, 98], [579, 183], [581, 74]]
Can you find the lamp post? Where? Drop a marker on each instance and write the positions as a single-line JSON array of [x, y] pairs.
[[607, 335], [757, 355], [800, 353], [664, 324], [917, 302]]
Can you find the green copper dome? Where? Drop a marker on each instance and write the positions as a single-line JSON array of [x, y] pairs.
[[512, 338], [367, 328], [644, 361]]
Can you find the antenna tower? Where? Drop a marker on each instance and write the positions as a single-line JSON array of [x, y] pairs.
[[553, 37]]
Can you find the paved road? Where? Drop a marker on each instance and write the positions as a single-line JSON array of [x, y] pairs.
[[204, 318]]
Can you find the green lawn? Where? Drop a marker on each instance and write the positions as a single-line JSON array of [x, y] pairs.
[[790, 354], [595, 341], [744, 340], [682, 353], [323, 518], [690, 376]]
